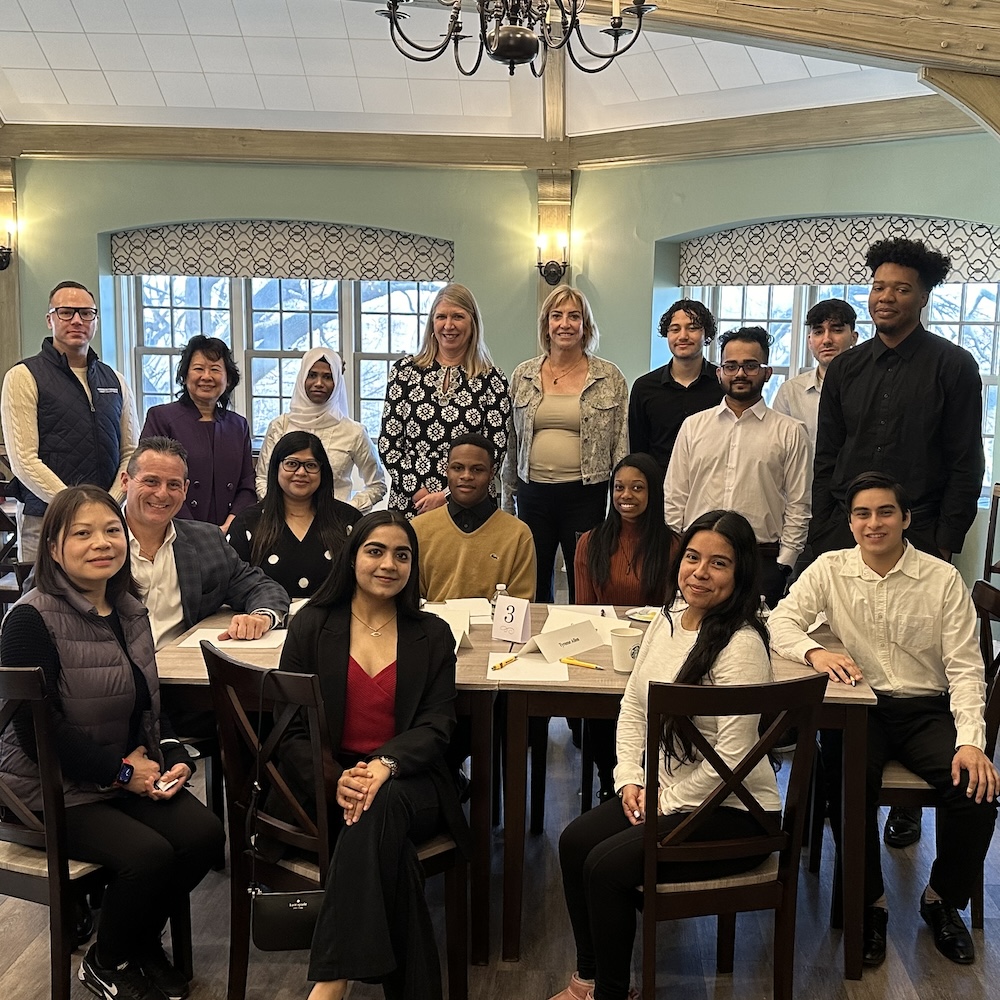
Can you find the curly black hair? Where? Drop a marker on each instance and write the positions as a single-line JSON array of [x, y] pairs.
[[696, 311], [750, 335], [931, 266]]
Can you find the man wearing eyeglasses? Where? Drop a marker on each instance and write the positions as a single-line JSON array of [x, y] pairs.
[[742, 455], [67, 417]]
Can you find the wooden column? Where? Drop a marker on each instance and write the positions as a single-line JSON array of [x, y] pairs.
[[555, 212]]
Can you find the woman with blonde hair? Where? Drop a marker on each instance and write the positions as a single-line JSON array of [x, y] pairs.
[[569, 430], [448, 388]]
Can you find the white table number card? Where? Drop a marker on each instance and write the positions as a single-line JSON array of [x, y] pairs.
[[512, 620]]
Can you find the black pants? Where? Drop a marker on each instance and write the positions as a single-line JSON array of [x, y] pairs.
[[772, 579], [920, 734], [601, 855], [374, 924], [158, 850], [556, 513]]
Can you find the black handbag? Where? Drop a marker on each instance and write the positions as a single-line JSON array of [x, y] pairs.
[[279, 921]]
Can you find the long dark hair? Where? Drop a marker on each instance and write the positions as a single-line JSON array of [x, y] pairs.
[[339, 586], [49, 575], [215, 350], [652, 553], [332, 526], [723, 621]]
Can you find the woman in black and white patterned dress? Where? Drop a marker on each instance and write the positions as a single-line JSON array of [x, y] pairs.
[[450, 387]]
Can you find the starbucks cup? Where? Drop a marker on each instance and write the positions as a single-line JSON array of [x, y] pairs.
[[625, 644]]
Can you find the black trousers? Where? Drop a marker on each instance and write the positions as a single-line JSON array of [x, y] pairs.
[[374, 925], [772, 579], [556, 513], [601, 855], [920, 734], [158, 850]]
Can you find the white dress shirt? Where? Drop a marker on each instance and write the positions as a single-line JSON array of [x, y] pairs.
[[688, 784], [799, 398], [159, 588], [758, 464], [912, 632]]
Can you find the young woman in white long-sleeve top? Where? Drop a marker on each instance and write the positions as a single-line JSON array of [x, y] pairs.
[[710, 635]]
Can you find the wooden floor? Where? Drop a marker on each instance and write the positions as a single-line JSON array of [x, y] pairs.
[[686, 949]]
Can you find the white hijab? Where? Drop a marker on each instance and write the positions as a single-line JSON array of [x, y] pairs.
[[304, 414]]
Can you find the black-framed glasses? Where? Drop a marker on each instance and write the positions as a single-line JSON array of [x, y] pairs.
[[87, 313], [749, 367], [293, 465]]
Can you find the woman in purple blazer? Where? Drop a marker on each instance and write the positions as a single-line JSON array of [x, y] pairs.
[[217, 441]]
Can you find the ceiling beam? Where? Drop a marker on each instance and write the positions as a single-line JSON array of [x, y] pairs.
[[975, 93], [962, 35]]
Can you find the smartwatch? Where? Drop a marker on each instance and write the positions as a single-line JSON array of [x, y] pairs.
[[124, 775]]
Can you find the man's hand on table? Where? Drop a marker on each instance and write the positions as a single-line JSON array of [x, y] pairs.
[[247, 627], [984, 781], [838, 666]]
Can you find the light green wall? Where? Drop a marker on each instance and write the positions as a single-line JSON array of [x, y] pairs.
[[65, 210]]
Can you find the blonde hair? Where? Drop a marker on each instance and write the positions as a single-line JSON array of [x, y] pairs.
[[477, 360], [591, 335]]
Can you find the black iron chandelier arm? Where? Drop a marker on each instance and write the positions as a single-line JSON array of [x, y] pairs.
[[609, 56], [434, 50]]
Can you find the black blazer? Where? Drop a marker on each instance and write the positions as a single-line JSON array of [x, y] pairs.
[[319, 641]]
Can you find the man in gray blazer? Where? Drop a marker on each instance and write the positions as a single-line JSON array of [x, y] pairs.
[[185, 569]]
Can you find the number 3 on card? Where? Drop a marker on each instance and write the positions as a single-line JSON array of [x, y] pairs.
[[512, 620]]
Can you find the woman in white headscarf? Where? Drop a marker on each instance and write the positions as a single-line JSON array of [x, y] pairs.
[[319, 406]]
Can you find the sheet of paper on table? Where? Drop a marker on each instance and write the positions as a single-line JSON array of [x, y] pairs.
[[531, 667], [560, 616], [457, 619], [477, 608], [272, 639]]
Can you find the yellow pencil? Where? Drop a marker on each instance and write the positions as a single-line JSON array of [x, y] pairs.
[[574, 662], [503, 663]]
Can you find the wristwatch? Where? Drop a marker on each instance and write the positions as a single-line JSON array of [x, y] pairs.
[[124, 775], [391, 763]]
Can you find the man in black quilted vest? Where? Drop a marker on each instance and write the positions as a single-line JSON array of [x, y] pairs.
[[67, 417]]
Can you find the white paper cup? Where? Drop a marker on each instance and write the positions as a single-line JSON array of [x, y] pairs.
[[625, 648]]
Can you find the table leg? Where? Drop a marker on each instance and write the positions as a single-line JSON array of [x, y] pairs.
[[853, 837], [515, 790], [481, 713]]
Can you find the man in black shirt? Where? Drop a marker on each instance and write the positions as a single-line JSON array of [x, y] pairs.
[[906, 403], [661, 400]]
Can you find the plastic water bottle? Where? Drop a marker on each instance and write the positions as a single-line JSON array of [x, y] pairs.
[[498, 595]]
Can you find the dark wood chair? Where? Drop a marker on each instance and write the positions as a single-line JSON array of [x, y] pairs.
[[773, 884], [239, 690], [990, 564], [900, 786], [34, 864]]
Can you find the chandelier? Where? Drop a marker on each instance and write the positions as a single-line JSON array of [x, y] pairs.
[[516, 32]]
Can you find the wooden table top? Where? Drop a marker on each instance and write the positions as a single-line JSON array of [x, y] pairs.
[[184, 665]]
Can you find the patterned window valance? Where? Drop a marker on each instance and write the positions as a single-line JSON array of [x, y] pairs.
[[831, 251], [269, 249]]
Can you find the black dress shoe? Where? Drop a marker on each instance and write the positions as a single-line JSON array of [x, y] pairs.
[[902, 828], [876, 921], [84, 921], [951, 936]]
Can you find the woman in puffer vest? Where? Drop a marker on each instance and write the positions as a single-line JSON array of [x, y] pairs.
[[123, 771]]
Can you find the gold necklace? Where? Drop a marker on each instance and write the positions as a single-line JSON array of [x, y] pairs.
[[555, 379], [374, 632]]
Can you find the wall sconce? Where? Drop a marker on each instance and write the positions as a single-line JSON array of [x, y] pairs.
[[5, 253], [553, 270]]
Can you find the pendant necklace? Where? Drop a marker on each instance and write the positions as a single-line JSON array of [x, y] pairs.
[[555, 380], [374, 632]]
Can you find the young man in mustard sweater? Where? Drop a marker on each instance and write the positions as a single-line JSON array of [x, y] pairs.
[[469, 546]]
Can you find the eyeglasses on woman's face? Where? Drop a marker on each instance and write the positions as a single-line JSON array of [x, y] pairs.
[[294, 464]]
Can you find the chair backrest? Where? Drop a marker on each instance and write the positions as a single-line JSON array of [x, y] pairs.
[[784, 705], [986, 598], [241, 692], [23, 689]]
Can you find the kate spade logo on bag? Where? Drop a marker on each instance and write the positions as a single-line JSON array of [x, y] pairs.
[[298, 904]]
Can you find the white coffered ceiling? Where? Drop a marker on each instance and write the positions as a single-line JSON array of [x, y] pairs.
[[328, 65]]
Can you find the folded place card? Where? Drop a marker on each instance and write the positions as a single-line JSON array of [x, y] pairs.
[[457, 620], [512, 620], [569, 641], [271, 639], [561, 617]]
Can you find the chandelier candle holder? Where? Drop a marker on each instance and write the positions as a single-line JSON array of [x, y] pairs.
[[517, 32]]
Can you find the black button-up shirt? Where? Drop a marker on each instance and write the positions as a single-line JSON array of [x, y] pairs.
[[469, 519], [659, 405], [914, 413]]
